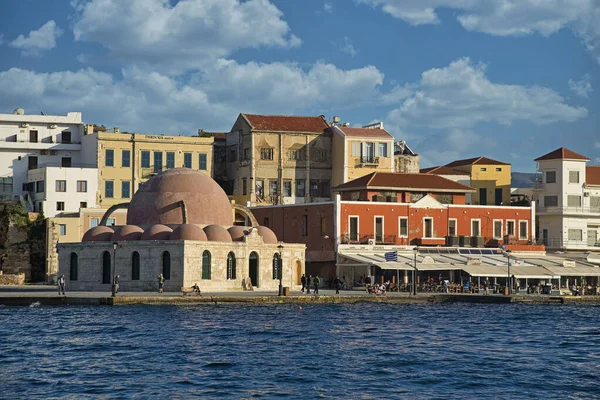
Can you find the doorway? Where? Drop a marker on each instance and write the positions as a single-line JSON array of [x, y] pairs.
[[483, 196], [254, 269], [378, 229], [498, 194], [106, 268], [298, 274]]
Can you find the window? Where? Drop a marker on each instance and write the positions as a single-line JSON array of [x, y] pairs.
[[170, 159], [266, 154], [321, 155], [483, 169], [246, 154], [382, 149], [82, 186], [40, 207], [276, 264], [414, 197], [523, 229], [125, 189], [314, 188], [295, 155], [202, 165], [232, 155], [83, 204], [33, 136], [32, 162], [305, 225], [187, 160], [244, 187], [206, 264], [510, 228], [573, 201], [135, 266], [111, 222], [266, 222], [595, 202], [74, 265], [355, 149], [497, 229], [403, 227], [65, 162], [445, 198], [158, 163], [427, 227], [498, 169], [273, 188], [475, 227], [94, 222], [452, 227], [125, 158], [231, 272], [550, 176], [325, 189], [145, 159], [575, 234], [61, 186], [62, 229], [550, 201], [60, 206], [106, 268], [354, 196], [300, 188], [260, 188], [39, 187], [166, 265], [323, 226], [65, 137], [109, 158], [287, 188], [353, 223], [369, 152], [109, 187], [573, 176]]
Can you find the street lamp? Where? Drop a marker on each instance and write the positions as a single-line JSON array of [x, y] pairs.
[[415, 252], [508, 282], [114, 288], [280, 268]]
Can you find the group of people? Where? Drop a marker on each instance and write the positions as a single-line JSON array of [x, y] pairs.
[[307, 281]]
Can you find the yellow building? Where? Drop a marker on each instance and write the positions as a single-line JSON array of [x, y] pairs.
[[491, 178], [361, 151], [127, 160]]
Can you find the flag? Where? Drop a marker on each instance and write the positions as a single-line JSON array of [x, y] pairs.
[[391, 256]]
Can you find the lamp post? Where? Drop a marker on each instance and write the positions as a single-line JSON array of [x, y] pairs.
[[114, 288], [415, 252], [280, 268], [508, 282]]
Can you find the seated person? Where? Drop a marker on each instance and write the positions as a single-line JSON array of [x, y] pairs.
[[196, 288]]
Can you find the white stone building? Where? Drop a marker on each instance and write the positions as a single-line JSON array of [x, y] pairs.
[[28, 142], [568, 198]]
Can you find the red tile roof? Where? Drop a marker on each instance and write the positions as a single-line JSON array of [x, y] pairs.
[[592, 175], [365, 132], [398, 181], [287, 123], [442, 170], [562, 154], [475, 160]]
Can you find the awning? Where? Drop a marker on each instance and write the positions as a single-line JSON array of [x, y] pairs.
[[490, 271], [532, 272], [375, 259], [574, 271]]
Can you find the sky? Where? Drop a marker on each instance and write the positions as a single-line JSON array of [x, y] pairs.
[[505, 79]]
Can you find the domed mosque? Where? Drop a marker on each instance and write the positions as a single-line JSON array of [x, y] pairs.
[[180, 224]]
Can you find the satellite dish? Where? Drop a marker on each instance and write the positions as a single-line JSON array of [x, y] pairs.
[[19, 111]]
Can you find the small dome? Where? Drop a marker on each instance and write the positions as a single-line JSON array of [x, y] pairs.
[[237, 233], [216, 233], [188, 232], [127, 232], [98, 234], [157, 232], [267, 235]]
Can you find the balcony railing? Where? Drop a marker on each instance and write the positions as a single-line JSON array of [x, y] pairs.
[[557, 243], [568, 210], [367, 161], [364, 239]]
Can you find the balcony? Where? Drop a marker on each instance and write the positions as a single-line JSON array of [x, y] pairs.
[[537, 185], [595, 211], [367, 162], [40, 145]]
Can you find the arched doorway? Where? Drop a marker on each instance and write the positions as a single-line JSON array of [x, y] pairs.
[[106, 268], [254, 268], [166, 265], [74, 267], [298, 273]]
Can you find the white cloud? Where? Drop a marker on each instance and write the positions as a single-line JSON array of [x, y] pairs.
[[185, 36], [39, 40], [460, 96], [582, 87], [346, 46], [506, 17], [328, 7]]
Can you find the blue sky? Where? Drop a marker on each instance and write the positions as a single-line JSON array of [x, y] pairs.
[[506, 79]]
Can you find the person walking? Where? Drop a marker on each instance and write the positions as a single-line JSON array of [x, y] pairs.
[[61, 284], [161, 283], [117, 284], [486, 287], [303, 281], [337, 284], [317, 282], [308, 281]]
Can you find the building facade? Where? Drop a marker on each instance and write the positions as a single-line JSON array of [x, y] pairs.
[[490, 178], [568, 199], [455, 175], [406, 161]]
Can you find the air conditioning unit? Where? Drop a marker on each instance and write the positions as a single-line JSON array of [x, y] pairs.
[[24, 125], [43, 152], [371, 242], [53, 126]]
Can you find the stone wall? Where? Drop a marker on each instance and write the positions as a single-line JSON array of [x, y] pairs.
[[15, 244], [407, 164], [12, 279]]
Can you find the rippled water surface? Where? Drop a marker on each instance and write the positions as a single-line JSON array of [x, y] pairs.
[[328, 351]]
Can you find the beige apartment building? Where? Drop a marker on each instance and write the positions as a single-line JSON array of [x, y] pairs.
[[279, 160], [361, 151], [127, 160]]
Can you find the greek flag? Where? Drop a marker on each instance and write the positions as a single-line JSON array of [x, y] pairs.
[[391, 256]]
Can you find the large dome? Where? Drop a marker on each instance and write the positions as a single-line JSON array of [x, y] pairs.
[[156, 202]]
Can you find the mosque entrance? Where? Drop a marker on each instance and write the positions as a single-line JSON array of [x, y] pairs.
[[106, 268], [254, 269]]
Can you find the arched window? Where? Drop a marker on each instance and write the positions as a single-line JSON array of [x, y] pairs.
[[276, 266], [230, 265], [135, 266], [166, 261], [206, 265], [106, 268], [74, 266]]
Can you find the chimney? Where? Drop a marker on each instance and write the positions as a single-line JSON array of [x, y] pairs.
[[89, 129], [116, 129]]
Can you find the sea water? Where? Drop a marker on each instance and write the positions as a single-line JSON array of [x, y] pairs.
[[369, 351]]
